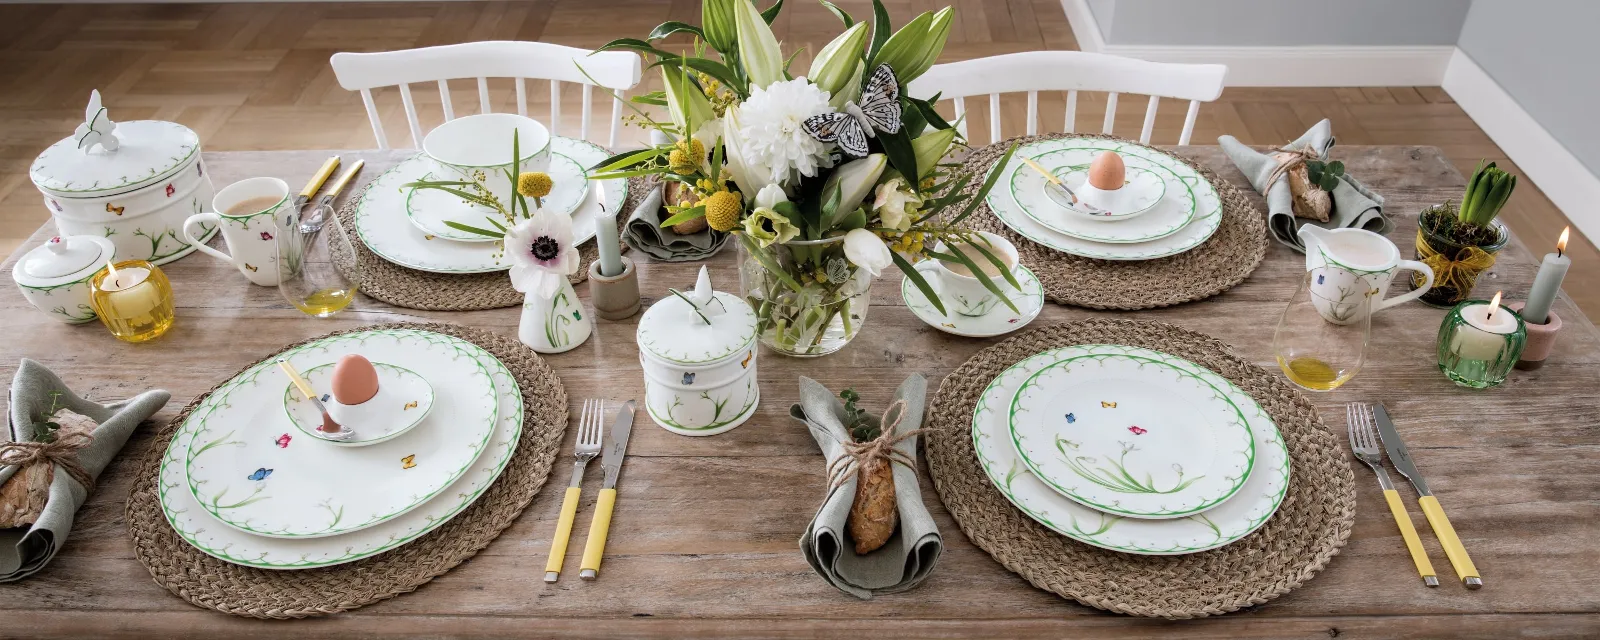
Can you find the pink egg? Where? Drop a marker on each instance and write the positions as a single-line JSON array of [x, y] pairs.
[[354, 380]]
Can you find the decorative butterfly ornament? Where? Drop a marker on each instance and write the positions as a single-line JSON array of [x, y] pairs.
[[850, 128], [97, 127]]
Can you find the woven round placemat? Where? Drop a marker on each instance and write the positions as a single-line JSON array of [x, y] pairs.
[[1222, 261], [1310, 526], [262, 593], [413, 289]]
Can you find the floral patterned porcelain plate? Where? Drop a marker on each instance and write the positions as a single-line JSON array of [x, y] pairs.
[[1251, 507], [380, 217], [1165, 216], [1131, 436], [429, 209], [404, 399], [196, 526], [998, 321], [246, 468], [1183, 181]]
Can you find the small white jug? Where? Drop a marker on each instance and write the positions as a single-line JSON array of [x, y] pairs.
[[1349, 266]]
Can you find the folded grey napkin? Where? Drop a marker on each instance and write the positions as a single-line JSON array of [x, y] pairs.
[[914, 549], [1353, 204], [26, 550], [644, 233]]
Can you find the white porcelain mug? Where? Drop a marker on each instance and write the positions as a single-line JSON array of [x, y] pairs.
[[963, 293], [478, 148], [250, 234]]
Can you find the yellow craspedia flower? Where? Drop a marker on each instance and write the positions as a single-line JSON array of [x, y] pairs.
[[723, 209], [686, 156], [534, 184]]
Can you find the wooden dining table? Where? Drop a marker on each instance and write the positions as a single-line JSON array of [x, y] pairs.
[[704, 540]]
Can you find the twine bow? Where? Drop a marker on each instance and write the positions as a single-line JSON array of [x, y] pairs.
[[1296, 158], [62, 451], [1458, 273], [857, 454]]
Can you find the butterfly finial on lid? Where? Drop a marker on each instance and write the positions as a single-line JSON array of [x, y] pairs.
[[97, 127]]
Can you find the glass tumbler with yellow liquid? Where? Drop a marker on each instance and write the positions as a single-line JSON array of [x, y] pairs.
[[317, 266], [1321, 340]]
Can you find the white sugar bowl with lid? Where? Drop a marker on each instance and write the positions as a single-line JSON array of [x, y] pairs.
[[698, 351], [54, 277], [132, 182]]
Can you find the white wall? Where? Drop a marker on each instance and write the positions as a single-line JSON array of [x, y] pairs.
[[1235, 23]]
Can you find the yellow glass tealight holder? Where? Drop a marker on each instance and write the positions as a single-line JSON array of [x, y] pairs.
[[133, 299]]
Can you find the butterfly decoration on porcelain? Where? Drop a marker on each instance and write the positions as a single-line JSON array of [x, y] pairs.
[[850, 127], [97, 127]]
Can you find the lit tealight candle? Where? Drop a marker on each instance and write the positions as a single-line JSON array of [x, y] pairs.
[[134, 302], [1485, 335], [1548, 283]]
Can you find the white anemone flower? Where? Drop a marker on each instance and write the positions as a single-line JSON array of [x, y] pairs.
[[774, 143], [542, 253]]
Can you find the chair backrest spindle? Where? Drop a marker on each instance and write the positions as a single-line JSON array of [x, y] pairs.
[[1033, 113], [1149, 119], [483, 95], [1111, 113], [444, 99]]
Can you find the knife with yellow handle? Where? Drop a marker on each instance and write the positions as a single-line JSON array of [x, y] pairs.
[[315, 184], [339, 185], [1448, 539], [616, 449]]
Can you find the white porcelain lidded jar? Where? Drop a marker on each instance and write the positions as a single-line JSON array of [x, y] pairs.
[[132, 182], [698, 351], [54, 277]]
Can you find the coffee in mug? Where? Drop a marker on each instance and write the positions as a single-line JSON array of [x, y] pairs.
[[977, 258], [252, 205]]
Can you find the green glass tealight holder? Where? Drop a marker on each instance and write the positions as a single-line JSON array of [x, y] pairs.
[[1480, 343]]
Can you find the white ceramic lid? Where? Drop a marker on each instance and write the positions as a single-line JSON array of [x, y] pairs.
[[63, 259], [674, 331], [148, 151]]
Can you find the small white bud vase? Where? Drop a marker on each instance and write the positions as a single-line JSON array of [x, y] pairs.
[[555, 324], [698, 351]]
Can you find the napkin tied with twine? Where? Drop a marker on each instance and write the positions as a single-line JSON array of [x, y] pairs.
[[1354, 205], [914, 549], [78, 456]]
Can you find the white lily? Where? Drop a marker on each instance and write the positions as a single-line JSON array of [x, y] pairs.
[[686, 105], [851, 90], [733, 158], [867, 251], [837, 61], [769, 196], [758, 48]]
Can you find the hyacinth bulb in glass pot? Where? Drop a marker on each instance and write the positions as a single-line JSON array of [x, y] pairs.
[[1461, 242], [826, 179]]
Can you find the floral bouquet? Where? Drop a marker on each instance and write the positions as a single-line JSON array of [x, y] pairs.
[[826, 178]]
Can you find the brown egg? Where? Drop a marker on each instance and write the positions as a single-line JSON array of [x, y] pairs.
[[1107, 172], [354, 380]]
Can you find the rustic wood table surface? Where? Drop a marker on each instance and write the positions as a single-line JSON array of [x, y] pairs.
[[704, 542]]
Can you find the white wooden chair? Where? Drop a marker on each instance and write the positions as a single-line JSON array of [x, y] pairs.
[[1071, 71], [615, 70]]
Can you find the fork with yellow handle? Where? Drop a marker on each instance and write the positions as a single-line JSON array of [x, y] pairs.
[[589, 436], [1364, 444]]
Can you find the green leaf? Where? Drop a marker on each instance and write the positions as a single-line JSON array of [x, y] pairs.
[[771, 12], [1329, 182], [929, 114], [956, 255], [470, 229], [839, 13], [710, 67], [902, 157], [649, 100], [789, 210], [629, 158], [716, 162], [516, 172], [614, 175], [994, 174], [673, 26], [685, 215], [880, 33], [911, 119], [856, 219], [917, 279], [1336, 167], [830, 208], [790, 61], [1005, 269], [497, 224], [635, 44]]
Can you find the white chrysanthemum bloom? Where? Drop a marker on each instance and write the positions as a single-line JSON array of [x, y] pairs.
[[774, 142]]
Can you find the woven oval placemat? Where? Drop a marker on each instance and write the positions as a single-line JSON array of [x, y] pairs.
[[1221, 262], [1310, 526], [413, 289], [261, 593]]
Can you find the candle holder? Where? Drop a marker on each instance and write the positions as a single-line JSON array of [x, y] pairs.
[[614, 297], [1473, 357], [133, 299], [1541, 337]]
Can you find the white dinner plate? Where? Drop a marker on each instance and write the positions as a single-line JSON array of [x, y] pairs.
[[1182, 180], [1131, 436], [381, 217], [430, 209], [244, 472], [195, 526], [1251, 507]]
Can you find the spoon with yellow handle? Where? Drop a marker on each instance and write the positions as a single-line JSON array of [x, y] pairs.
[[338, 432], [1062, 192]]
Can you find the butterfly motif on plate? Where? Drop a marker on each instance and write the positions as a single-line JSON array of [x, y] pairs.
[[850, 128], [260, 474]]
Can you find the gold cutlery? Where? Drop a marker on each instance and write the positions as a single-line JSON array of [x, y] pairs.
[[1364, 443], [338, 185], [1448, 539], [589, 435], [616, 449]]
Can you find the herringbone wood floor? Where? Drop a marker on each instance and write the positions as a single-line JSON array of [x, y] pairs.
[[256, 76]]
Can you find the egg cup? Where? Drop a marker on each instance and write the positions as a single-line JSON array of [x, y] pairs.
[[403, 400], [1141, 192]]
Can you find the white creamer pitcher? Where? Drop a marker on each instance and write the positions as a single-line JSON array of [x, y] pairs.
[[1349, 265]]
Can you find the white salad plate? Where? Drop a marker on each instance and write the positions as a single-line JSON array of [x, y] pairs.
[[1183, 183], [999, 321], [1131, 436], [246, 468], [1234, 519], [430, 209], [380, 217], [404, 399], [1140, 192], [196, 526]]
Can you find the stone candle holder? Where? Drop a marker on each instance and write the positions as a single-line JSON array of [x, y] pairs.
[[614, 297], [1541, 338]]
